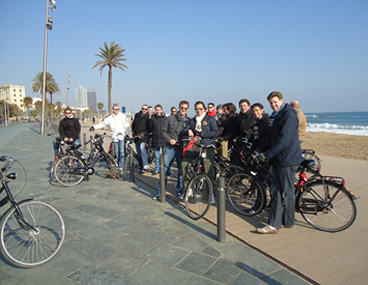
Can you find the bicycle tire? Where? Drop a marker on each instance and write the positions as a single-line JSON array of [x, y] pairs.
[[245, 194], [326, 205], [198, 196], [69, 171], [229, 171], [25, 247], [112, 165]]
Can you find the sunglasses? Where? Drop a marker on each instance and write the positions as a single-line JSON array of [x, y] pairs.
[[116, 109], [210, 107], [199, 109], [144, 109], [183, 108]]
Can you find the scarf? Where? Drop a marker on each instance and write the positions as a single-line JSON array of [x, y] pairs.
[[182, 122], [198, 126]]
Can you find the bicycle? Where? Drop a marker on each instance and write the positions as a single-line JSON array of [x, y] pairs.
[[31, 232], [324, 202], [60, 146], [70, 170], [198, 194]]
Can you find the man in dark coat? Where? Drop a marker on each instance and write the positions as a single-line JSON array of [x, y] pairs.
[[155, 125], [140, 128], [284, 154], [69, 129]]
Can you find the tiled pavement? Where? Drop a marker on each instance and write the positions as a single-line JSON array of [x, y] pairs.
[[116, 234]]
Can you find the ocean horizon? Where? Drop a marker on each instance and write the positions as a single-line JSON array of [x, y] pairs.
[[348, 123]]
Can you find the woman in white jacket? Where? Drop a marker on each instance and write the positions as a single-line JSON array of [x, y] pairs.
[[118, 124]]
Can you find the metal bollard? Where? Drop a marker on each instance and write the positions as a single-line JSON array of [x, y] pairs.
[[90, 144], [162, 180], [84, 141], [132, 174], [221, 219]]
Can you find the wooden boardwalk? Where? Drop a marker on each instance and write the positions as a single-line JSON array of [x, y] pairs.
[[326, 258]]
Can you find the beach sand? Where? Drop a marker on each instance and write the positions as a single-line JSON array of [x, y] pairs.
[[337, 145]]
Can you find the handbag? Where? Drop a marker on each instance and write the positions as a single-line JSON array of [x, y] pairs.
[[190, 148]]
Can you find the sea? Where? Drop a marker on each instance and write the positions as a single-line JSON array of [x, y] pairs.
[[349, 123]]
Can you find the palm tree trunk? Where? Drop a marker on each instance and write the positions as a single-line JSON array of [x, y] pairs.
[[109, 89]]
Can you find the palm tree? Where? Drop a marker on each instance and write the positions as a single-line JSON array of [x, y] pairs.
[[51, 86], [28, 101], [100, 106], [112, 56]]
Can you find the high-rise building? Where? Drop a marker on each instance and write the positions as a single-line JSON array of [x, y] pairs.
[[13, 94], [81, 97], [91, 99]]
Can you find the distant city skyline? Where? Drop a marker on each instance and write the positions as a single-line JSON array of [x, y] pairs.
[[81, 97]]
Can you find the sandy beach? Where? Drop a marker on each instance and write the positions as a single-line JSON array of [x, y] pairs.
[[337, 145]]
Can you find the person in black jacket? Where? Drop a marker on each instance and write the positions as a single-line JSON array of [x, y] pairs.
[[69, 129], [155, 125], [284, 153], [261, 126], [245, 119], [228, 127], [140, 128]]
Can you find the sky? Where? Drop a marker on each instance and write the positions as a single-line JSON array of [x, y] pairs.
[[216, 51]]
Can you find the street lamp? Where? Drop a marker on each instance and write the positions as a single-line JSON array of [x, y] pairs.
[[50, 4]]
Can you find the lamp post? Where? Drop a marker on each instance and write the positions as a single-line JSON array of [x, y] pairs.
[[50, 4]]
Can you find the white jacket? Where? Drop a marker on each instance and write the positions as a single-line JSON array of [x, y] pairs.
[[118, 125]]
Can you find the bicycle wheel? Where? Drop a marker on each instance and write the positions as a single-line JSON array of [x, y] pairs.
[[229, 171], [26, 247], [327, 206], [112, 165], [245, 194], [69, 170], [198, 196]]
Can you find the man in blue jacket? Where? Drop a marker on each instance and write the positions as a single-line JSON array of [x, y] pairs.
[[284, 153]]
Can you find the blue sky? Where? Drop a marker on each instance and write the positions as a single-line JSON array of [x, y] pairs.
[[220, 51]]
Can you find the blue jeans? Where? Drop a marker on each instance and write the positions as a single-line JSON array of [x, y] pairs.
[[56, 146], [142, 153], [120, 153], [282, 207], [171, 153], [157, 158]]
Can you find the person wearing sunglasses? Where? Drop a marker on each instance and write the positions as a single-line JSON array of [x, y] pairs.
[[211, 110], [172, 133], [118, 124], [205, 127], [140, 128], [69, 129]]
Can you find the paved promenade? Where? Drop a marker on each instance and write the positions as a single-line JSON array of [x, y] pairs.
[[116, 234]]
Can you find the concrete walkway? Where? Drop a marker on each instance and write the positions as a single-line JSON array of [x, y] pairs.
[[116, 234]]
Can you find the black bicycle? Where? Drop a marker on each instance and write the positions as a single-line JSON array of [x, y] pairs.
[[198, 193], [31, 232], [72, 169], [323, 201]]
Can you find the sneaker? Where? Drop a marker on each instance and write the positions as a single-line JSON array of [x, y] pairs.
[[155, 172], [267, 230], [251, 211], [121, 169], [213, 201], [156, 197], [145, 167], [181, 195]]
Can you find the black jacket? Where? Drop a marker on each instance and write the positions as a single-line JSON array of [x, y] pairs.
[[69, 128], [261, 131], [155, 126], [284, 148], [140, 127], [245, 122]]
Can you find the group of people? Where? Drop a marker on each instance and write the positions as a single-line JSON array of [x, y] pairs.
[[276, 138]]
